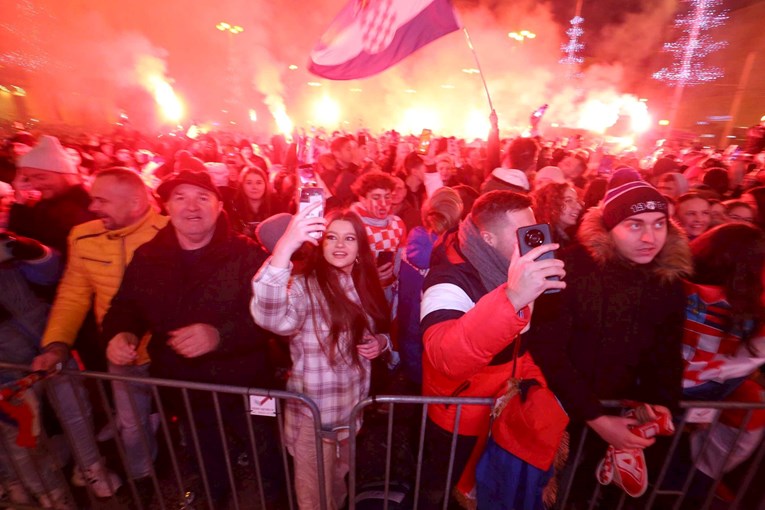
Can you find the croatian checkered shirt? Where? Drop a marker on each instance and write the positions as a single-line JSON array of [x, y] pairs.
[[710, 351], [282, 305], [388, 238]]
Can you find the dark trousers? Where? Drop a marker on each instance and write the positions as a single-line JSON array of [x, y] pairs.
[[234, 428], [435, 465]]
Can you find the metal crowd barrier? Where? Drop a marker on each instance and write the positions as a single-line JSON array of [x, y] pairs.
[[661, 494], [177, 487], [390, 421]]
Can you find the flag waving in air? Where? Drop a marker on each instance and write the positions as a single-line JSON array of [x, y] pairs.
[[369, 36]]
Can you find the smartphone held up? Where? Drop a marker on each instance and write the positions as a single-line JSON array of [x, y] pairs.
[[310, 195], [537, 235]]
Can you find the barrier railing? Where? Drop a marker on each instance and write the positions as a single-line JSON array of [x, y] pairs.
[[178, 426], [675, 481], [388, 461]]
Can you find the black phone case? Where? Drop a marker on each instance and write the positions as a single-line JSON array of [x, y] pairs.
[[524, 247]]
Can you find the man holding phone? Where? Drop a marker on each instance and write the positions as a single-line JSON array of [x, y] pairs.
[[477, 300], [615, 332], [386, 232]]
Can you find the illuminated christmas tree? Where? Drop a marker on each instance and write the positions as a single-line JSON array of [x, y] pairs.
[[694, 45], [573, 48]]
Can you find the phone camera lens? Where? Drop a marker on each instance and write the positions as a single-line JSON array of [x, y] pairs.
[[534, 238]]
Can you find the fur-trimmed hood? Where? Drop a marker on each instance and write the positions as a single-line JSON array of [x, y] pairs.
[[674, 261]]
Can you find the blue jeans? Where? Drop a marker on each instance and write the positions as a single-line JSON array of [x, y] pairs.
[[132, 403], [72, 405]]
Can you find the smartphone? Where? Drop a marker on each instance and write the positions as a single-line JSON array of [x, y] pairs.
[[310, 195], [536, 235], [424, 146], [384, 257]]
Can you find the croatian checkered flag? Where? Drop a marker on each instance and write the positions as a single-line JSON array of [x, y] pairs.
[[369, 36]]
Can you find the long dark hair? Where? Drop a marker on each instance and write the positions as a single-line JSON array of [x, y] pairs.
[[344, 315], [242, 203], [732, 256]]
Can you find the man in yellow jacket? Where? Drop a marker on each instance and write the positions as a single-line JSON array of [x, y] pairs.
[[99, 252]]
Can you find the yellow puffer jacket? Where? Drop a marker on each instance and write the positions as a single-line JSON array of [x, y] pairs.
[[97, 262]]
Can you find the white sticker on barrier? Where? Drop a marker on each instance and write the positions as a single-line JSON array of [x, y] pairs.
[[701, 415], [260, 405]]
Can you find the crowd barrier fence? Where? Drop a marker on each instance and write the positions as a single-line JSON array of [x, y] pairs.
[[393, 425]]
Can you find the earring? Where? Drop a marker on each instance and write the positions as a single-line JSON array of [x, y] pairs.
[[357, 259]]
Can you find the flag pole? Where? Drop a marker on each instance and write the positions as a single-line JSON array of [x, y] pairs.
[[478, 66]]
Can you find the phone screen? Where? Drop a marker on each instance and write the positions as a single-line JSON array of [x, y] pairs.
[[424, 145]]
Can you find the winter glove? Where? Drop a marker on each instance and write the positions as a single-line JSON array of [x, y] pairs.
[[19, 247]]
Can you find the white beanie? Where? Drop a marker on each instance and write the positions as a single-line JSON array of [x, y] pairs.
[[48, 155], [512, 177]]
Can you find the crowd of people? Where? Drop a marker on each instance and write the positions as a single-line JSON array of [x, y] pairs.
[[420, 272]]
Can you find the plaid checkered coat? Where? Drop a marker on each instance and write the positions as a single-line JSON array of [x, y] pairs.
[[282, 305]]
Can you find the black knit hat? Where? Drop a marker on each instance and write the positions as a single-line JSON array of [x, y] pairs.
[[625, 199]]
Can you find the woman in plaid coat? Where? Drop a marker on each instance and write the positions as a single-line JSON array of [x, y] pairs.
[[336, 316]]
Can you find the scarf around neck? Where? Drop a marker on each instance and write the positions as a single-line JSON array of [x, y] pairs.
[[491, 265], [367, 217]]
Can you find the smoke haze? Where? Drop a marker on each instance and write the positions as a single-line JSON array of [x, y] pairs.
[[86, 61]]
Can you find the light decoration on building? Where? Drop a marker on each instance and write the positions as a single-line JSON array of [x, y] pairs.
[[694, 45], [572, 50]]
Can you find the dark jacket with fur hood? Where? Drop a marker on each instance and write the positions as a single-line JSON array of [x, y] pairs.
[[615, 332]]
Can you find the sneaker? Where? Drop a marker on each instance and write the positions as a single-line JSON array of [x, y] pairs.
[[103, 482]]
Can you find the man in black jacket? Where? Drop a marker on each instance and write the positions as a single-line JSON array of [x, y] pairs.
[[615, 331], [190, 287]]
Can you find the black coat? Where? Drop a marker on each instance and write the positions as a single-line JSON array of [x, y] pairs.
[[615, 332], [165, 288], [49, 221]]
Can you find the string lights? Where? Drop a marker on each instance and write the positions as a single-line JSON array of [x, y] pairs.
[[694, 45], [572, 50]]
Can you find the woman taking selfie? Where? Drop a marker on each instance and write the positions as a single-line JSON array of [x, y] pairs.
[[336, 316]]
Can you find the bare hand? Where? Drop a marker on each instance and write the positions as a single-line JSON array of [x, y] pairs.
[[615, 430], [122, 349], [527, 278], [373, 346], [300, 230], [194, 340], [385, 272], [48, 360]]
